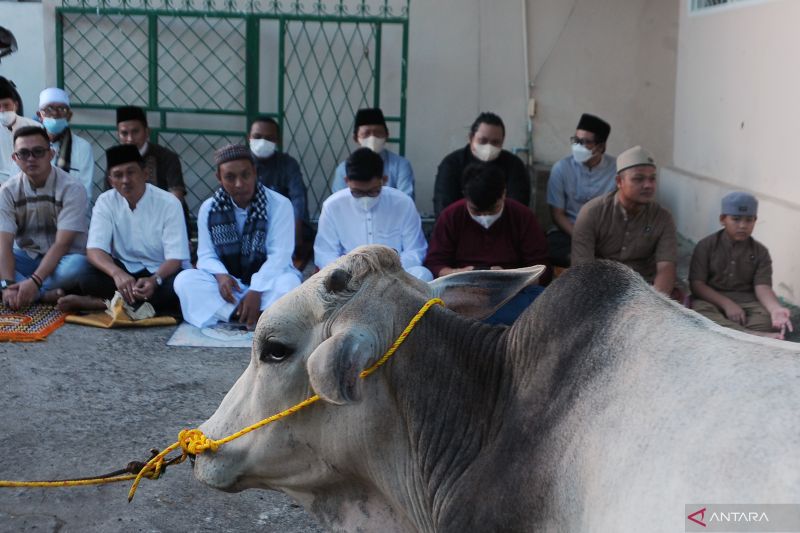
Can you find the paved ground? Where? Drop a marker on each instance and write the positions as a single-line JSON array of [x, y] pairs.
[[88, 401]]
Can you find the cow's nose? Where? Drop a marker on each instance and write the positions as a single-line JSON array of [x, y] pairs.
[[191, 459]]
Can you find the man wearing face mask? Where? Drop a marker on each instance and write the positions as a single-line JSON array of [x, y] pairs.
[[73, 153], [369, 213], [281, 173], [370, 131], [588, 173], [487, 230], [486, 137], [10, 121]]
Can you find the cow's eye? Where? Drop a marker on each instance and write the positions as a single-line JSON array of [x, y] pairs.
[[273, 351]]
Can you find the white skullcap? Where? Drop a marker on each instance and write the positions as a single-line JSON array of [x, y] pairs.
[[53, 95]]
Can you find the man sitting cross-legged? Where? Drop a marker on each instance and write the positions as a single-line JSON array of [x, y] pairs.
[[368, 212], [43, 209], [245, 236], [137, 240]]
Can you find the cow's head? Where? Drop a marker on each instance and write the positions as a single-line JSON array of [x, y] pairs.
[[317, 339]]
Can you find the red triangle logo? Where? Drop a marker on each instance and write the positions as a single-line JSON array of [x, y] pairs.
[[698, 516]]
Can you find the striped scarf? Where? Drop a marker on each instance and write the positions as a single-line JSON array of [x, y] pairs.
[[65, 152], [244, 255]]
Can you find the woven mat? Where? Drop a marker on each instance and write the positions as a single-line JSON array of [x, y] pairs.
[[31, 324]]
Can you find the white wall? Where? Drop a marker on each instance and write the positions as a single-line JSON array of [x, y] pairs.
[[736, 108], [612, 58], [466, 56], [26, 67]]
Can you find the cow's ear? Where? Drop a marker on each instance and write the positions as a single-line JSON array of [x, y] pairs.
[[334, 367], [479, 293]]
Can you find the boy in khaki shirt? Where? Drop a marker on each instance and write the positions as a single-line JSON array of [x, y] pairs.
[[731, 274]]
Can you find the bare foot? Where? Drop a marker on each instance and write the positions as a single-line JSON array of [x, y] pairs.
[[52, 296], [73, 302]]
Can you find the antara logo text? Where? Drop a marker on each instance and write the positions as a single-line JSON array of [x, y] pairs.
[[699, 517]]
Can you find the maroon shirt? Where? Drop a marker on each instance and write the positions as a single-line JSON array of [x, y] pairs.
[[515, 240]]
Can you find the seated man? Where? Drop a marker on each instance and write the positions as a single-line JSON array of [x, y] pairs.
[[280, 172], [10, 121], [244, 253], [486, 137], [43, 209], [162, 164], [369, 213], [137, 240], [731, 274], [628, 225], [73, 154], [371, 132], [588, 173], [488, 230]]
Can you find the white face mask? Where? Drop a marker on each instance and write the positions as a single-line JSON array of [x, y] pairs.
[[7, 118], [262, 148], [375, 144], [367, 202], [486, 152], [486, 220], [581, 153]]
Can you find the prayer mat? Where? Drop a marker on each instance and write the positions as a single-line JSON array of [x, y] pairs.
[[31, 324], [221, 335], [118, 316]]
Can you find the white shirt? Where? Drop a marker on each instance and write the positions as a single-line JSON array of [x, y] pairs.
[[81, 162], [393, 221], [7, 167], [279, 243], [144, 237]]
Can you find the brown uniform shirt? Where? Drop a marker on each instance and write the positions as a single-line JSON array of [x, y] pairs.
[[731, 268], [604, 230]]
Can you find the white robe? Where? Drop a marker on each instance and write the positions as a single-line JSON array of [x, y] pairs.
[[393, 221], [81, 163], [201, 303]]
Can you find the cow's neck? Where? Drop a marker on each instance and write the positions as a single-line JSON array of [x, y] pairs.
[[449, 382]]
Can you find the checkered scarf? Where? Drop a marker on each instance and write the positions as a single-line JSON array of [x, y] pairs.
[[241, 256]]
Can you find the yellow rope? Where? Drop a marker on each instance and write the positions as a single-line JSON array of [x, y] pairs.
[[194, 442]]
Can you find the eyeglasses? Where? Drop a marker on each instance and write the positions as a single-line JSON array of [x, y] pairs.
[[583, 142], [54, 110], [372, 193], [37, 153]]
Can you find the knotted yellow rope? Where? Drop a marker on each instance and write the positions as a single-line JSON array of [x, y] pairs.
[[194, 442]]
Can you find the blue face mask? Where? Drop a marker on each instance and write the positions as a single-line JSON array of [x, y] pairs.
[[54, 126]]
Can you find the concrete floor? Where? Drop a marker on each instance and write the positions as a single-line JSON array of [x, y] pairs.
[[88, 401]]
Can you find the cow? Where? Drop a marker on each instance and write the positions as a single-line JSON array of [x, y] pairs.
[[604, 407]]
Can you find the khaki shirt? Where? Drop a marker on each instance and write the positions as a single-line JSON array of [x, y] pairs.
[[604, 230], [731, 268]]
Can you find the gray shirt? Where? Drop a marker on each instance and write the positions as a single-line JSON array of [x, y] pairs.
[[35, 215]]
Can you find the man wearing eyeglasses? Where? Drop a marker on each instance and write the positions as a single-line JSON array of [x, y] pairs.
[[43, 209], [73, 154], [588, 173], [366, 212]]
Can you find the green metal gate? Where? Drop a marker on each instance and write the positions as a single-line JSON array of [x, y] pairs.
[[204, 68]]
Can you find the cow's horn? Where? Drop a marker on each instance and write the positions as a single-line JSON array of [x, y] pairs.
[[337, 280]]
